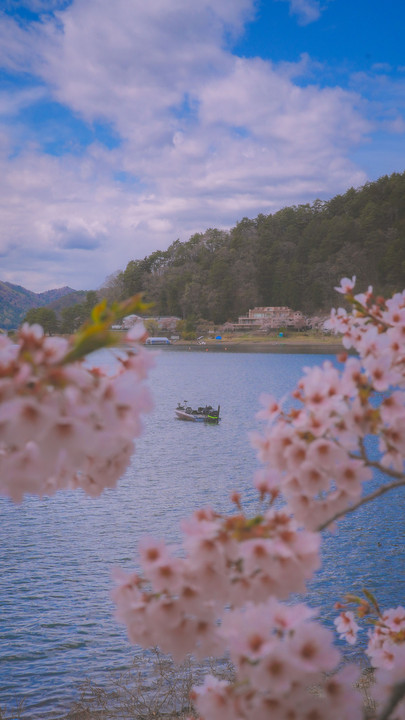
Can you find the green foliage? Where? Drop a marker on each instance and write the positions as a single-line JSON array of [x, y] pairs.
[[45, 317], [187, 329], [152, 327], [294, 257], [75, 315], [70, 317]]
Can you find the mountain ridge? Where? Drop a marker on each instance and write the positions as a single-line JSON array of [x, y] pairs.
[[15, 300]]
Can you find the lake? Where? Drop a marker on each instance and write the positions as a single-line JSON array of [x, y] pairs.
[[57, 554]]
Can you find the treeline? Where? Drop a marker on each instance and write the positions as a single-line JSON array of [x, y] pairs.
[[65, 321], [294, 257]]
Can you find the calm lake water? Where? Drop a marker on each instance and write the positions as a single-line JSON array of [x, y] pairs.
[[57, 554]]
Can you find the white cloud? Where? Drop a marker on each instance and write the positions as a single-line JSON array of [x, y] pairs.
[[307, 10], [208, 137]]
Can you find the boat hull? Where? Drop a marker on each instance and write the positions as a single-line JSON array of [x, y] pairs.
[[196, 417], [181, 415]]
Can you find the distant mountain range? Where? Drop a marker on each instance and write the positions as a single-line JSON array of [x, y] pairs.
[[16, 300]]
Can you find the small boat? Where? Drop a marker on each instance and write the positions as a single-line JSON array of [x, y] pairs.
[[205, 414]]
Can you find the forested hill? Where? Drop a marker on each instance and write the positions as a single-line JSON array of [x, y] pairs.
[[294, 257], [15, 300]]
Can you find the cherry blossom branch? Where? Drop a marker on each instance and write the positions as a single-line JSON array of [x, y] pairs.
[[396, 696], [380, 491], [375, 464], [387, 471], [366, 313]]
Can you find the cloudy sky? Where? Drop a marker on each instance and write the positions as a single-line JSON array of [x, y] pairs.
[[126, 124]]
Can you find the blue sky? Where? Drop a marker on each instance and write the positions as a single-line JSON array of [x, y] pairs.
[[125, 125]]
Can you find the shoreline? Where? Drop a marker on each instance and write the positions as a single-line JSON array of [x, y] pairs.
[[287, 345]]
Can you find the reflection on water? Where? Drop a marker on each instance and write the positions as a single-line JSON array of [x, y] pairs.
[[57, 554]]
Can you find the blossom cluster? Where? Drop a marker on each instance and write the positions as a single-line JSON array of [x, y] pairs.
[[385, 648], [177, 602], [222, 595], [222, 591], [315, 453], [278, 652], [376, 330], [63, 424]]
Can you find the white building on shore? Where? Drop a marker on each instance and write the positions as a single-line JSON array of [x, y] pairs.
[[270, 318]]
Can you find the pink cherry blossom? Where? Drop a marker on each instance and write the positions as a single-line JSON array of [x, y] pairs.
[[394, 619], [312, 648], [65, 425], [347, 627], [387, 681], [272, 407], [346, 285], [343, 701]]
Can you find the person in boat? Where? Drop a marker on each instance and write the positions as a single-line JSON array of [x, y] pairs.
[[213, 415]]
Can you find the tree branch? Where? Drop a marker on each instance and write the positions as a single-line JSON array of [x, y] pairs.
[[380, 491], [385, 470], [374, 463]]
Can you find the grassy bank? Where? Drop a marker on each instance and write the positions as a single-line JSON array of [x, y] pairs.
[[249, 342]]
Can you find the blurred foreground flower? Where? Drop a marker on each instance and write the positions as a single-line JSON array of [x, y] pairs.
[[62, 424]]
